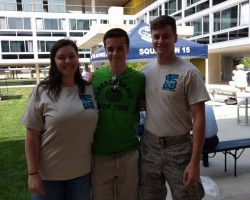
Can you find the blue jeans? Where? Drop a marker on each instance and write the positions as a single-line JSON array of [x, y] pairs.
[[74, 189]]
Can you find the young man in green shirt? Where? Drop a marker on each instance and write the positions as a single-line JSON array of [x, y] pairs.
[[119, 90]]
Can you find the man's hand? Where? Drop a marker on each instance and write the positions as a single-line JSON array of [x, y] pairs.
[[191, 174]]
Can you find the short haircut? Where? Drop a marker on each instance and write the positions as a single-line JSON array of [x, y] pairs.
[[116, 33], [163, 20]]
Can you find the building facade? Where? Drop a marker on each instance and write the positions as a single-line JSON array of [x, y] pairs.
[[28, 28]]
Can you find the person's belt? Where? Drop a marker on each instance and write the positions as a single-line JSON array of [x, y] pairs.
[[168, 141]]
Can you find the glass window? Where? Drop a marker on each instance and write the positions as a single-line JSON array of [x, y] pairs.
[[41, 46], [26, 5], [177, 16], [244, 13], [39, 24], [229, 18], [72, 24], [39, 5], [49, 45], [217, 21], [197, 27], [60, 24], [190, 2], [8, 5], [172, 6], [215, 2], [83, 24], [15, 23], [50, 24], [19, 6], [206, 24], [179, 4], [29, 46], [202, 6], [190, 11], [104, 21], [2, 23], [220, 37], [204, 40], [5, 46], [56, 6], [153, 14], [26, 23], [242, 33], [17, 46]]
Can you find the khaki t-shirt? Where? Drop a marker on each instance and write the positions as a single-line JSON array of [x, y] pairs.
[[67, 127]]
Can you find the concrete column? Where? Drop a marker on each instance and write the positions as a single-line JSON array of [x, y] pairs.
[[37, 73], [93, 6]]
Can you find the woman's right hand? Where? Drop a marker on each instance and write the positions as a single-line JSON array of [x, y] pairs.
[[35, 184]]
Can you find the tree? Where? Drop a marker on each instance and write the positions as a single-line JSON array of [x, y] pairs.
[[246, 63], [135, 65]]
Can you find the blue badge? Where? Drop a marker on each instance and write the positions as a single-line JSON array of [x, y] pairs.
[[87, 101]]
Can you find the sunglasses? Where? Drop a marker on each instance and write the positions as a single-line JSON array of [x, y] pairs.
[[116, 82]]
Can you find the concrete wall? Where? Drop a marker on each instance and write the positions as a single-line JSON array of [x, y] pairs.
[[200, 64], [214, 68]]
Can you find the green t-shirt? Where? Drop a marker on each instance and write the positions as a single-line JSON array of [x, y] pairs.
[[118, 111]]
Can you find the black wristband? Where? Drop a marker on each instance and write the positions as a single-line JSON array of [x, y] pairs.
[[31, 174]]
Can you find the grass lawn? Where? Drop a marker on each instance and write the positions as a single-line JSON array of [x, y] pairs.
[[13, 170]]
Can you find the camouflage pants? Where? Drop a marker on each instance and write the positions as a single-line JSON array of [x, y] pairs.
[[160, 164]]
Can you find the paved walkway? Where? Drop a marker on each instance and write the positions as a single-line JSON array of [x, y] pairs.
[[230, 187]]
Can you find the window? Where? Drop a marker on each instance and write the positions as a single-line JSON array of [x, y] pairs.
[[242, 33], [190, 2], [39, 24], [72, 24], [28, 46], [204, 40], [229, 18], [130, 22], [202, 6], [201, 26], [26, 5], [217, 21], [45, 6], [15, 23], [79, 24], [197, 8], [220, 37], [56, 6], [49, 45], [83, 25], [244, 12], [104, 21], [197, 27], [205, 24], [45, 46], [5, 46], [215, 2], [17, 46], [172, 6], [154, 13], [26, 23], [226, 19], [2, 23], [50, 24], [19, 6]]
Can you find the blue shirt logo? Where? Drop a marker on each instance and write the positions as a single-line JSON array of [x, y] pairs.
[[170, 82], [87, 101]]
